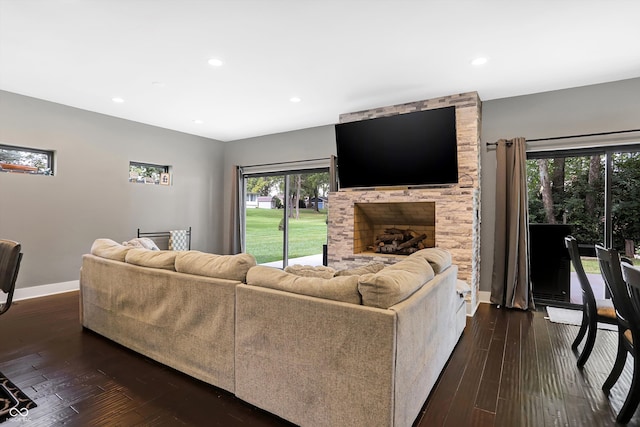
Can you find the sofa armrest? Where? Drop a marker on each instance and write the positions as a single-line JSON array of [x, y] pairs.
[[426, 335]]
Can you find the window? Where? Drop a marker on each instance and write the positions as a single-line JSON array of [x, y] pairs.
[[287, 222], [146, 173], [592, 194], [594, 190], [25, 160]]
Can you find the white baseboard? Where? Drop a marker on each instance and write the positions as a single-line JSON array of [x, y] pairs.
[[484, 296], [44, 290]]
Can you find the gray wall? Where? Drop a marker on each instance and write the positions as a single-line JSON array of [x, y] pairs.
[[583, 110], [58, 218]]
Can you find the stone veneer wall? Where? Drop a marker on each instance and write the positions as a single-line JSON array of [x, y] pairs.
[[457, 206]]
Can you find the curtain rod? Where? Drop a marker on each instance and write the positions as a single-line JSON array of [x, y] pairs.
[[553, 138], [286, 163]]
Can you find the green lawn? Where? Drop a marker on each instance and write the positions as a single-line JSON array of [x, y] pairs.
[[264, 240], [590, 265]]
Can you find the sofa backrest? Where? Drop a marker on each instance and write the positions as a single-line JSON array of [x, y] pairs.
[[230, 267], [395, 283], [343, 288], [370, 285]]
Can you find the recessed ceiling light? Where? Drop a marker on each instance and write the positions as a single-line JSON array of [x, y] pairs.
[[117, 100], [215, 62], [479, 61], [198, 121], [295, 99], [159, 84]]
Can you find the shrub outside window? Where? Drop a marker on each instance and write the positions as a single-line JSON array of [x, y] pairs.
[[147, 173], [25, 160]]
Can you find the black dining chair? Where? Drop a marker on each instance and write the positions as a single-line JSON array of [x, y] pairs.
[[593, 310], [628, 329], [10, 257]]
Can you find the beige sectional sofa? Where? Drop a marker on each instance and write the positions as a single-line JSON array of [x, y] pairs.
[[358, 349], [184, 320]]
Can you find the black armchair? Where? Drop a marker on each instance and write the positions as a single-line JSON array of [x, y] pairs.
[[10, 257]]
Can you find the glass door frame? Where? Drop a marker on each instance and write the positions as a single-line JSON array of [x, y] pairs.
[[604, 150], [286, 173]]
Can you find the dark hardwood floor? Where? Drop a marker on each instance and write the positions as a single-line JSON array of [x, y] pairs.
[[510, 368]]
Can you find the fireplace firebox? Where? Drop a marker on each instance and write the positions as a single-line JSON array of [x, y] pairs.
[[398, 228]]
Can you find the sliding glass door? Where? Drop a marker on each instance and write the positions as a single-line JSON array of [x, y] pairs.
[[625, 202], [591, 194], [566, 197], [286, 216], [264, 219]]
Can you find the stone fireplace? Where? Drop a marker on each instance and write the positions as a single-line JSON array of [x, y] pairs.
[[448, 215], [371, 220]]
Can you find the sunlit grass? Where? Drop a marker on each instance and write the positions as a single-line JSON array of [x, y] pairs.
[[264, 240], [590, 265]]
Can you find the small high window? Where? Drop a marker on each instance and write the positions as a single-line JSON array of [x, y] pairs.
[[146, 173], [25, 160]]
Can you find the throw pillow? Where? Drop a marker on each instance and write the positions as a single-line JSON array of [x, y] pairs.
[[110, 249], [310, 271], [142, 242], [394, 283], [337, 288], [372, 267], [439, 259], [154, 259], [231, 267]]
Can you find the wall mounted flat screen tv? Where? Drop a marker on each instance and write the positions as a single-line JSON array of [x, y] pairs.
[[411, 149]]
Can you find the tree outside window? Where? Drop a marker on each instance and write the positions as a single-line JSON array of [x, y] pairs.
[[146, 173], [25, 160], [571, 190]]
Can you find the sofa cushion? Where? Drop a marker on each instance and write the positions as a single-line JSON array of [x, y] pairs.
[[142, 242], [439, 259], [231, 267], [107, 248], [394, 283], [310, 271], [372, 267], [337, 288], [154, 259]]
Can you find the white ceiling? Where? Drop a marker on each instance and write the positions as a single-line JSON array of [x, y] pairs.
[[337, 56]]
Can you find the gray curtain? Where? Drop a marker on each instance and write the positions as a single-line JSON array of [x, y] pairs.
[[237, 211], [511, 284]]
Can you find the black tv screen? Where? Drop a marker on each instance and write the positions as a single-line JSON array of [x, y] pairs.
[[411, 149]]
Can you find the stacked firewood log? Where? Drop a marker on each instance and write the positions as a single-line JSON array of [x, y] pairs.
[[397, 241]]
